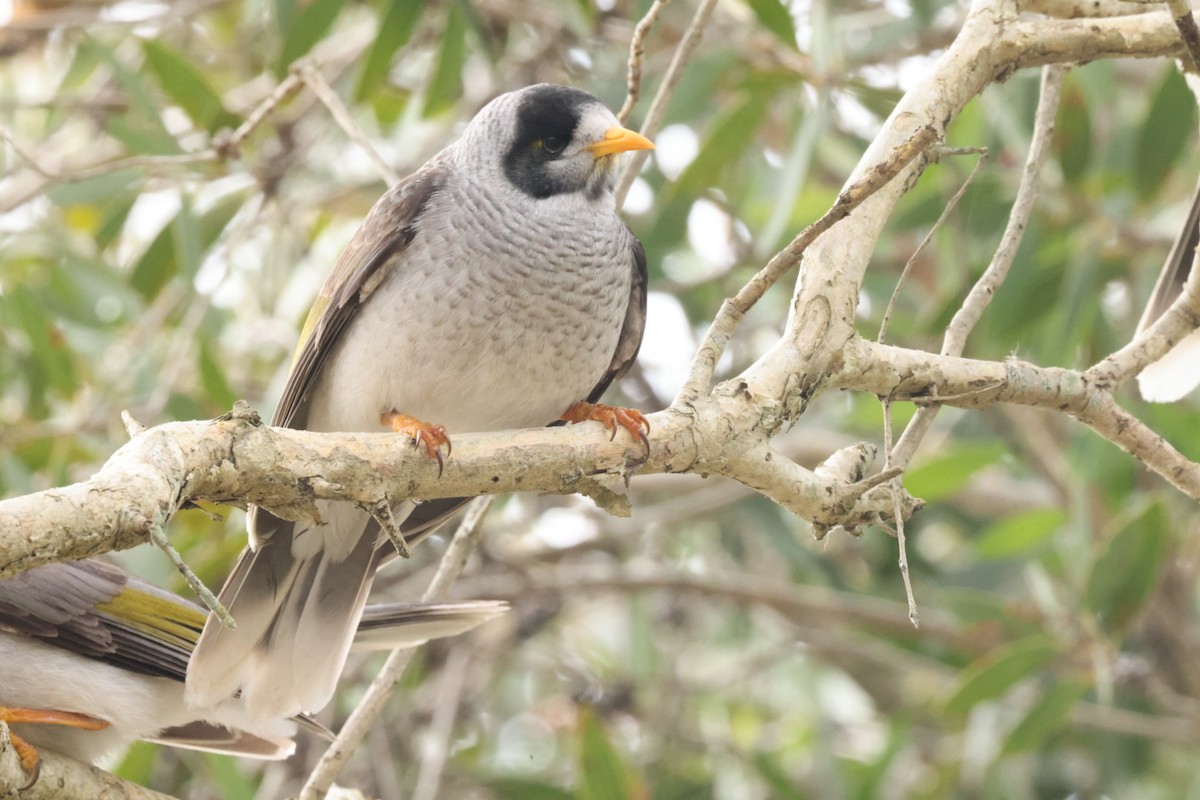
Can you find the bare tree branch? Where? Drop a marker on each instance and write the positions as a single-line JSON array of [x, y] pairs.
[[62, 778]]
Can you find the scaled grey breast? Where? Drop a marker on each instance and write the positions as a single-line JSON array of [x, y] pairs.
[[494, 288]]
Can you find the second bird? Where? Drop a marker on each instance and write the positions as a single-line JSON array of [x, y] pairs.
[[496, 287]]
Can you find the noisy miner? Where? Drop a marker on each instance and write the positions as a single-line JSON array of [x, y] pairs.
[[1178, 372], [92, 658], [494, 288]]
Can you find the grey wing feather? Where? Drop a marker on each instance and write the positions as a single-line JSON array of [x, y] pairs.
[[1176, 269], [385, 233], [391, 625], [634, 326], [62, 604], [211, 738]]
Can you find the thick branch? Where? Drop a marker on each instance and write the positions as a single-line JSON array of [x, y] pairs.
[[913, 375], [63, 778], [236, 460]]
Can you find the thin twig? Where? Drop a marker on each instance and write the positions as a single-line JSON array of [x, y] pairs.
[[637, 52], [377, 694], [445, 709], [221, 145], [210, 601], [317, 84], [733, 309], [914, 615], [658, 107], [908, 265], [981, 293]]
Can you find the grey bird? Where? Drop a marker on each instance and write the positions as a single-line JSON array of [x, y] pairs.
[[93, 658], [1178, 372], [494, 288]]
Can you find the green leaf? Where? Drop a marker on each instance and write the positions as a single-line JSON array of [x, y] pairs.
[[303, 27], [212, 376], [950, 471], [1073, 131], [446, 85], [1164, 133], [521, 789], [48, 365], [1048, 715], [993, 674], [395, 28], [602, 773], [1125, 574], [181, 243], [230, 782], [141, 128], [782, 785], [1016, 535], [138, 763], [728, 139], [94, 189], [188, 88], [775, 17]]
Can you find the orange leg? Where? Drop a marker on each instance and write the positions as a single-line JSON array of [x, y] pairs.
[[30, 760], [432, 437], [611, 417]]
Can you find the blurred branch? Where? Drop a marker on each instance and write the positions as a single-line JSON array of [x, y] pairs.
[[801, 604], [316, 83], [658, 107], [637, 53], [371, 705], [222, 145]]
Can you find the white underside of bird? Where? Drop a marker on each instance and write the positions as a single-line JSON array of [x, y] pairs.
[[1175, 375]]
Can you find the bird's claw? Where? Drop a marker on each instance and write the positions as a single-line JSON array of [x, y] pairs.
[[27, 754], [612, 417], [431, 437]]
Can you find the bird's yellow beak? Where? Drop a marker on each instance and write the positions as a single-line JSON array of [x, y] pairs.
[[618, 140]]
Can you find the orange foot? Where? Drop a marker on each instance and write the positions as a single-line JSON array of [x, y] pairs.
[[422, 433], [31, 762], [611, 416]]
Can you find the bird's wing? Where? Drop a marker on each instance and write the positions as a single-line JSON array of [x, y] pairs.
[[97, 610], [388, 229], [1178, 372], [56, 602], [1176, 269], [634, 326], [212, 738], [387, 626], [386, 232]]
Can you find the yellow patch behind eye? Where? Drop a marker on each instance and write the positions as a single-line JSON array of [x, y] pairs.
[[537, 144]]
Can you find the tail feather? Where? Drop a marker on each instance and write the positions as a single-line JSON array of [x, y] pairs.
[[391, 625], [296, 606]]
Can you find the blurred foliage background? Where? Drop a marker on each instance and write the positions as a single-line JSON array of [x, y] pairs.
[[707, 647]]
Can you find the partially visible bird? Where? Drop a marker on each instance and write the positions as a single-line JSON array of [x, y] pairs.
[[1178, 372], [92, 658], [494, 288]]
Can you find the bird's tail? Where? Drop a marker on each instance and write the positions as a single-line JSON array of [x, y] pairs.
[[296, 615]]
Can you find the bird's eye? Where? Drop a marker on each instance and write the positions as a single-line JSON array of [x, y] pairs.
[[554, 144]]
